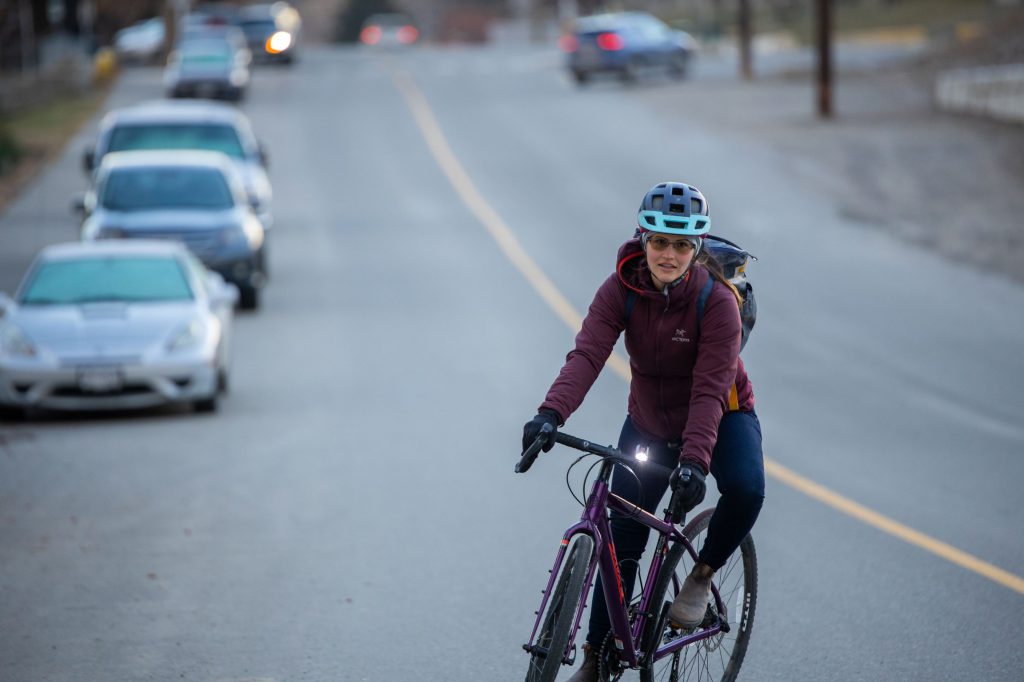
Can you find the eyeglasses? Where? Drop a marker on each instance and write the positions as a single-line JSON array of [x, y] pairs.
[[659, 243]]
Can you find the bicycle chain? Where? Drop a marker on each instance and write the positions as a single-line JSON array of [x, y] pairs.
[[603, 671]]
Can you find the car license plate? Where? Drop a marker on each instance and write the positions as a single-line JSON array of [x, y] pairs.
[[100, 379]]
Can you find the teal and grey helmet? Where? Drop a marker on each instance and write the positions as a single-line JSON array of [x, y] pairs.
[[674, 208]]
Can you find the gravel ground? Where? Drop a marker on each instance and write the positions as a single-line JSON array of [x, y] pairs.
[[948, 182]]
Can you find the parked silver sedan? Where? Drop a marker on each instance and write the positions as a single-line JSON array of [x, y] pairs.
[[115, 325]]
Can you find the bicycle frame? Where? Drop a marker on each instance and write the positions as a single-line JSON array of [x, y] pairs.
[[594, 521]]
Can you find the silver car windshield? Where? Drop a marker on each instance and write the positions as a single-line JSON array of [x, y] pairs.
[[204, 136], [107, 279], [144, 189]]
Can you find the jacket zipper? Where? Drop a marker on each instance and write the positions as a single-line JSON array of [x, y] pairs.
[[661, 375]]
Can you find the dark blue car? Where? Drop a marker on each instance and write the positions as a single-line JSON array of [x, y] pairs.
[[627, 44]]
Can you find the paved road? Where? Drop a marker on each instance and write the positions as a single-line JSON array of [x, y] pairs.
[[351, 512]]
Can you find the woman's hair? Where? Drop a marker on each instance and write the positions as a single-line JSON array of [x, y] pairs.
[[708, 260]]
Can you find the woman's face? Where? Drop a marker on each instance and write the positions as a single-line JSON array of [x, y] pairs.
[[668, 256]]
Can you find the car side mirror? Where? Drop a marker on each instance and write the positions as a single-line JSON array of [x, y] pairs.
[[222, 293], [89, 160]]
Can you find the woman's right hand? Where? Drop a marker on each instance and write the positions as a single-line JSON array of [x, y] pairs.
[[532, 429]]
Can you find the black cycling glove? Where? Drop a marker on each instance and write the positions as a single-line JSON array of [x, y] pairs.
[[532, 429], [687, 482]]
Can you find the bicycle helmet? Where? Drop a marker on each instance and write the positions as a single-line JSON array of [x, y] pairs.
[[674, 208]]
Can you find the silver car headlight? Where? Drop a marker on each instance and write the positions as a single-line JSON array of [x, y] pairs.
[[186, 337], [14, 342], [234, 236]]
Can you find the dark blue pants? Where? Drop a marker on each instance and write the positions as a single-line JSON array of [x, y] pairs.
[[738, 467]]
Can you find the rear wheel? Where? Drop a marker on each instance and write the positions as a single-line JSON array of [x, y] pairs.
[[249, 298], [630, 71], [678, 65], [719, 657], [553, 635]]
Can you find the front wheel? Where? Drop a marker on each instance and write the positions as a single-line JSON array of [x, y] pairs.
[[563, 604], [719, 657]]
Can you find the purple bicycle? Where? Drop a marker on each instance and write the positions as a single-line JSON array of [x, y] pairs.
[[641, 637]]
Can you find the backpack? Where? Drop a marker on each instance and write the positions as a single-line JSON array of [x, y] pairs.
[[733, 259]]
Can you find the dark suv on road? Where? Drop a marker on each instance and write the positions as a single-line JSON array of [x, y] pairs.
[[194, 197], [627, 44]]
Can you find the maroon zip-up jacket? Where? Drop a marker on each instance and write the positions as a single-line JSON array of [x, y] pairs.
[[683, 380]]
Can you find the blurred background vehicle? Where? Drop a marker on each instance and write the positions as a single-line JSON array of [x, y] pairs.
[[141, 43], [207, 67], [389, 30], [271, 31], [202, 125], [195, 197], [230, 34], [628, 44], [116, 325]]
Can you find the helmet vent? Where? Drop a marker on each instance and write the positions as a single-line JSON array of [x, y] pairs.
[[650, 220], [677, 191], [695, 206], [657, 201], [677, 208]]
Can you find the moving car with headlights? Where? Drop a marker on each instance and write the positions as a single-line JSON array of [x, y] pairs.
[[389, 30], [272, 31], [207, 67], [115, 325], [195, 197], [193, 124], [627, 44]]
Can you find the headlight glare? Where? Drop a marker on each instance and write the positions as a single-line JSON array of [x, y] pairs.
[[279, 42]]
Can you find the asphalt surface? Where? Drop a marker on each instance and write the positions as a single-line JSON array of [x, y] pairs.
[[351, 513]]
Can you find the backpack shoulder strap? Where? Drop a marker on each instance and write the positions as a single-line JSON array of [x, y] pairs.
[[631, 297], [702, 299]]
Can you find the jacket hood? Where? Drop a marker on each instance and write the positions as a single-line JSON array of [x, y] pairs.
[[631, 267]]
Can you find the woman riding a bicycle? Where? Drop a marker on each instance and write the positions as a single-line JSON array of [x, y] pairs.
[[691, 405]]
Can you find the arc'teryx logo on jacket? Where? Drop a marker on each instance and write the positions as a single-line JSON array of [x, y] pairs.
[[677, 389]]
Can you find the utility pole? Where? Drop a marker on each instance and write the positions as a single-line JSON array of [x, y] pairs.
[[824, 8], [746, 61]]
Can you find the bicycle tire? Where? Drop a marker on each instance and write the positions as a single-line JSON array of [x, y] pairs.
[[560, 615], [719, 657]]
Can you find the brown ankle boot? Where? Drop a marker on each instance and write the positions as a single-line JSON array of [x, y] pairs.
[[690, 605], [590, 669]]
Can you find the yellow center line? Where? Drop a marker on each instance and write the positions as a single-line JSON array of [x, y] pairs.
[[547, 290]]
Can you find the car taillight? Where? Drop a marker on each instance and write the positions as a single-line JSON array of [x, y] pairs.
[[610, 41], [568, 43], [370, 35], [407, 35]]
